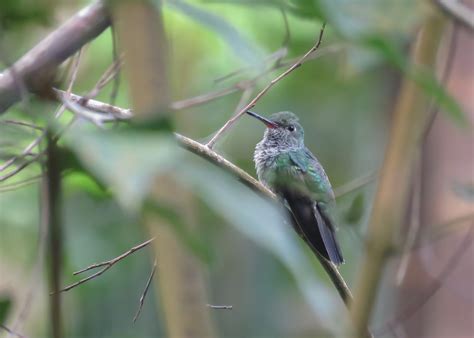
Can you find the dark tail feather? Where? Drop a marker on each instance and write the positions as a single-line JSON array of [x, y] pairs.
[[313, 226], [329, 239]]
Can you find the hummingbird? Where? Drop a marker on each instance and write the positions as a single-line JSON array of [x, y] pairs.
[[287, 167]]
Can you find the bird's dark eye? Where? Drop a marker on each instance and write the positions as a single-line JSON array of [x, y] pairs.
[[291, 127]]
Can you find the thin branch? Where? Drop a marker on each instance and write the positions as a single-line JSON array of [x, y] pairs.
[[110, 74], [109, 111], [458, 11], [147, 286], [277, 56], [23, 124], [200, 99], [252, 103], [20, 184], [35, 142], [106, 264], [219, 307], [20, 167], [25, 152]]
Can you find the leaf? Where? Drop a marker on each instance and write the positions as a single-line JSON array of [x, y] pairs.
[[5, 305], [265, 223], [81, 180], [242, 48], [356, 210], [126, 161]]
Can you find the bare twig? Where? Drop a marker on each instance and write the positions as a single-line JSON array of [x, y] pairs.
[[109, 111], [22, 123], [11, 332], [106, 264], [219, 307], [145, 291], [20, 167], [277, 57], [20, 184], [200, 99], [25, 152], [35, 142], [252, 103], [458, 11], [110, 73], [82, 112]]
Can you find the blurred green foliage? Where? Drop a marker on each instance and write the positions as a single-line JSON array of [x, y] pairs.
[[17, 13], [343, 98]]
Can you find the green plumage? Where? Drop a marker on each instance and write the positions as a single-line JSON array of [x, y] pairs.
[[286, 166]]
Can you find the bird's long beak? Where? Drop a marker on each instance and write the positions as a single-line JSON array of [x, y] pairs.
[[268, 123]]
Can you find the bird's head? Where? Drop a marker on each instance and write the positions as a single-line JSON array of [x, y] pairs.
[[283, 130]]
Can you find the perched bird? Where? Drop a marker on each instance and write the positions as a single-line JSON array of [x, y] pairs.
[[288, 168]]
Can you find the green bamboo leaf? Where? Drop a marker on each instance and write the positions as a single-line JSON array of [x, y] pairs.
[[126, 161]]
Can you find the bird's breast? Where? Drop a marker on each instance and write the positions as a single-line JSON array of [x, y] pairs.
[[265, 163]]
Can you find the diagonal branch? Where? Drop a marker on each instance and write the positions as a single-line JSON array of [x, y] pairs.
[[458, 11], [252, 103], [145, 291], [38, 65]]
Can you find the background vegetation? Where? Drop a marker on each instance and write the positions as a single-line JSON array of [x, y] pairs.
[[107, 187]]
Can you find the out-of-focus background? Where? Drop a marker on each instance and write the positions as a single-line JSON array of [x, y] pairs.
[[236, 254]]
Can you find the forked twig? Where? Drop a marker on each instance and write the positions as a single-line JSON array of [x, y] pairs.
[[106, 264]]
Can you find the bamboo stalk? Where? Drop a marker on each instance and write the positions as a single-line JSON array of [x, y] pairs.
[[409, 119]]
